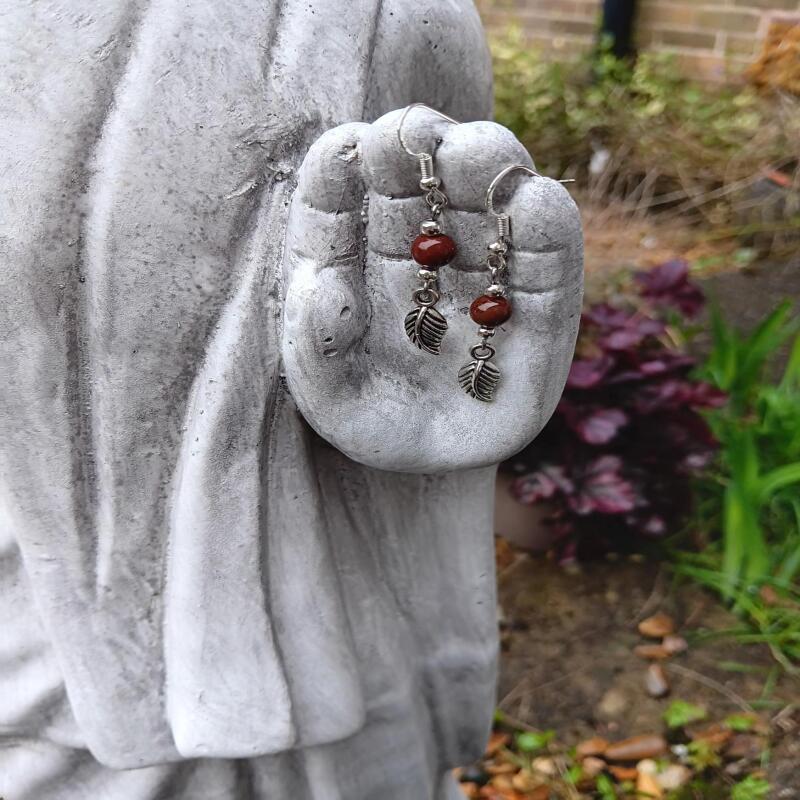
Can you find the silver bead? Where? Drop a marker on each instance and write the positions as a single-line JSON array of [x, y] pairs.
[[427, 275], [486, 333], [496, 289], [430, 227], [431, 182], [499, 247]]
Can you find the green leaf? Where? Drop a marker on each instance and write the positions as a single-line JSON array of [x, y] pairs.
[[778, 479], [791, 374], [703, 755], [751, 788], [530, 742], [606, 788], [573, 774], [679, 713], [741, 723]]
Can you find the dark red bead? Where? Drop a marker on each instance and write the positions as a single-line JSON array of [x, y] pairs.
[[433, 251], [490, 311]]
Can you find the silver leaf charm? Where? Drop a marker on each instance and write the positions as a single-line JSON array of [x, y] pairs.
[[479, 379], [426, 328]]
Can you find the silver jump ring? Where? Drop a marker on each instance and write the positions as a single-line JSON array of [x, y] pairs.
[[482, 351], [431, 297], [496, 261], [403, 119], [436, 197]]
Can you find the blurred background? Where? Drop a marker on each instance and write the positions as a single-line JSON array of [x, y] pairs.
[[648, 543]]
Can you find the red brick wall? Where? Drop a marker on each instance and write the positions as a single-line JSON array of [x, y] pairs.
[[711, 38]]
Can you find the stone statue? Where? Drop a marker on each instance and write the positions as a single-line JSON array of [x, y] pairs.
[[246, 547]]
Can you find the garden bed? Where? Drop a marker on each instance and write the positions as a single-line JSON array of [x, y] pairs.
[[568, 666]]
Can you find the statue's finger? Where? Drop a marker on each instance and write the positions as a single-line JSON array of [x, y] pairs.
[[325, 223], [389, 168], [546, 234], [325, 310], [469, 158]]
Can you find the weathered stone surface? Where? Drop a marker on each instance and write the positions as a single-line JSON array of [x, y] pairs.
[[212, 580]]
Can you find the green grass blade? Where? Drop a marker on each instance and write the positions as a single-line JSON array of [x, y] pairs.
[[778, 479]]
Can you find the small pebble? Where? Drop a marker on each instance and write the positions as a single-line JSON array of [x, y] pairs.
[[545, 766], [675, 644], [674, 777], [656, 681], [647, 766], [745, 745], [614, 703], [591, 767]]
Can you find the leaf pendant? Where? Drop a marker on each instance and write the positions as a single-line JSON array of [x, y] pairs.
[[479, 379], [426, 328]]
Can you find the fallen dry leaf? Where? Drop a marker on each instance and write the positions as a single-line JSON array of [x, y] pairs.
[[504, 553], [504, 783], [624, 773], [496, 741], [652, 652], [525, 782], [648, 745], [744, 745], [500, 768], [492, 793], [470, 790], [715, 734], [647, 786], [595, 746], [657, 626], [769, 596], [656, 681]]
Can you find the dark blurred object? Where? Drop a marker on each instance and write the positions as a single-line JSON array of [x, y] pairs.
[[778, 66], [618, 16]]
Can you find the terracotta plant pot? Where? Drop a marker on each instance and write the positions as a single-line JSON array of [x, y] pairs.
[[520, 524]]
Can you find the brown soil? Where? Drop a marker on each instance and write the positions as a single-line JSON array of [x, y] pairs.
[[568, 661]]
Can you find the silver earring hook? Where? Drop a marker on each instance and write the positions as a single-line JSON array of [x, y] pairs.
[[402, 122], [503, 220]]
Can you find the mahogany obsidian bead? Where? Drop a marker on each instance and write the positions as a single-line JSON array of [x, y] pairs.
[[433, 251], [490, 311]]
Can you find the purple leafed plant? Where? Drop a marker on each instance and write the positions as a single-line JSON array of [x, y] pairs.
[[615, 461]]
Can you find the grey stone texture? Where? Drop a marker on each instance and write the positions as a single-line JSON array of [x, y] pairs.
[[234, 565]]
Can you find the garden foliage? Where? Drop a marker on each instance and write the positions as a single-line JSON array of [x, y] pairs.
[[646, 442], [751, 495], [616, 460], [643, 132]]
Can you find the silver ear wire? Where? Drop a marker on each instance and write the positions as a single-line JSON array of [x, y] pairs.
[[406, 112], [503, 220], [424, 325]]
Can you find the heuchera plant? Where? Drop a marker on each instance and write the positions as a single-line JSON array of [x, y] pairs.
[[616, 460]]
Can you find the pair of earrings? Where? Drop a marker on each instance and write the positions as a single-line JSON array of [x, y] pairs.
[[425, 325]]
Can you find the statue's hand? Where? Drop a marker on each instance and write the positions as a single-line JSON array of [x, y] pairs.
[[355, 376]]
